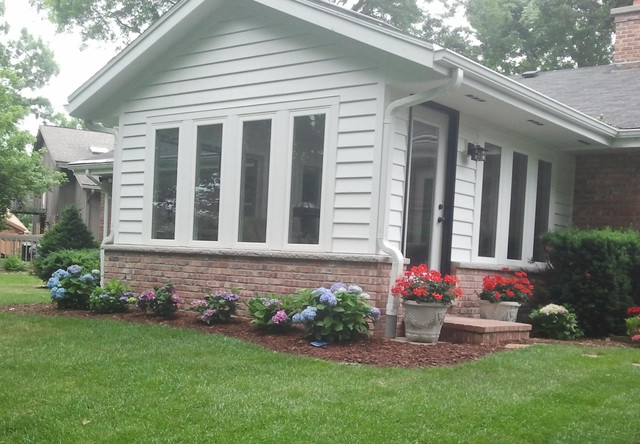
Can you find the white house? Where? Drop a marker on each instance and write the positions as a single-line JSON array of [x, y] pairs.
[[273, 145]]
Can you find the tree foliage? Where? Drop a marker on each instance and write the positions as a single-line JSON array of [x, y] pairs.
[[523, 35], [25, 65], [69, 233]]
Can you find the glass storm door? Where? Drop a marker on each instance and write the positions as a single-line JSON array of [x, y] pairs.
[[425, 187]]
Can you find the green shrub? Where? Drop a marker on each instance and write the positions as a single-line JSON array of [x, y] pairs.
[[43, 267], [335, 314], [554, 322], [595, 272], [273, 312], [71, 288], [69, 233], [14, 263], [115, 297], [633, 326], [217, 307]]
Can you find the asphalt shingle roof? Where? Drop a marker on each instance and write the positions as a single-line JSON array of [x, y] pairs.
[[609, 92], [67, 145]]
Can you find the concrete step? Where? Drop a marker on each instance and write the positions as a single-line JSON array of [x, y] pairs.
[[460, 329]]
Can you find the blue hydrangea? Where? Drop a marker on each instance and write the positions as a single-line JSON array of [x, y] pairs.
[[354, 289], [74, 270], [338, 286], [53, 282], [328, 298], [58, 293], [87, 278], [375, 314], [60, 274], [306, 315], [104, 296]]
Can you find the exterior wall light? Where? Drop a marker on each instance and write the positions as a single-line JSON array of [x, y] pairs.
[[476, 152]]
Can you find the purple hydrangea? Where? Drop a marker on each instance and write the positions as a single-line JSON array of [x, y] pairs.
[[269, 302], [208, 314], [175, 299], [104, 296], [280, 316], [338, 286], [74, 270], [231, 297], [375, 314], [200, 303], [354, 289], [147, 296], [124, 298]]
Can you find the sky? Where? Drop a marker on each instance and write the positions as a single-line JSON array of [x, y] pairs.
[[76, 66]]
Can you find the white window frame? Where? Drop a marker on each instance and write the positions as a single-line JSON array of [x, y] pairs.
[[504, 201]]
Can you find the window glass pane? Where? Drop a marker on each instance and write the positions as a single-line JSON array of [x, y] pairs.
[[424, 161], [164, 184], [543, 199], [489, 205], [254, 191], [306, 179], [206, 203], [516, 211]]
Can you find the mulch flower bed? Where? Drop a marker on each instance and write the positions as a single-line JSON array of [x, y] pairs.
[[370, 351]]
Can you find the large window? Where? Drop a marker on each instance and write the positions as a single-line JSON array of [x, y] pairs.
[[164, 184], [489, 205], [254, 190], [306, 179], [543, 201], [516, 207], [206, 205]]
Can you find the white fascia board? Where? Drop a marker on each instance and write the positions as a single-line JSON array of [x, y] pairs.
[[122, 68], [627, 138], [496, 84]]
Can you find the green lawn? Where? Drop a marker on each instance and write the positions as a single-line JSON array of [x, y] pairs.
[[21, 288], [90, 381]]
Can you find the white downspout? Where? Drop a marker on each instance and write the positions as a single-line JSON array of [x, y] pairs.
[[109, 239], [384, 197]]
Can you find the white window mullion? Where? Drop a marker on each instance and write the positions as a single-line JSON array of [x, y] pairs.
[[502, 239], [230, 182], [184, 199], [530, 209]]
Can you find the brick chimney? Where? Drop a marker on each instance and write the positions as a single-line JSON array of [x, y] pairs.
[[627, 47]]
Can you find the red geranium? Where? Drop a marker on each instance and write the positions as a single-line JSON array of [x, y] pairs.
[[633, 311], [498, 288], [424, 285]]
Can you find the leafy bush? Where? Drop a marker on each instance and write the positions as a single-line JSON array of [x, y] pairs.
[[71, 288], [595, 272], [43, 267], [272, 313], [14, 263], [554, 322], [69, 233], [335, 314], [162, 301], [217, 307], [115, 297]]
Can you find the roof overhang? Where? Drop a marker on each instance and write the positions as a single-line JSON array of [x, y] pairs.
[[97, 168]]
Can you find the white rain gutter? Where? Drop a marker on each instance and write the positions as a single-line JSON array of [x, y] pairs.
[[384, 198], [109, 239]]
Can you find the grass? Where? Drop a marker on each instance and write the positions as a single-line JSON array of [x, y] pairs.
[[21, 288], [88, 380]]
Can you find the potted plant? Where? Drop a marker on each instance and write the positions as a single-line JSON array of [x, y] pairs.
[[501, 297], [426, 295]]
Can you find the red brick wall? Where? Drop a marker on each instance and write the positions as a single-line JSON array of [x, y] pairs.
[[627, 46], [195, 274], [607, 190]]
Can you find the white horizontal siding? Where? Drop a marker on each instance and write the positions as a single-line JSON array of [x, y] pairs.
[[399, 141], [464, 205], [243, 64]]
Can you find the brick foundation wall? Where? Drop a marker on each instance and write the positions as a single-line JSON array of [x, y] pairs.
[[195, 274], [607, 190], [627, 45]]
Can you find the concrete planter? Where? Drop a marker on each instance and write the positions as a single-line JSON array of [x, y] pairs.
[[499, 311], [423, 321]]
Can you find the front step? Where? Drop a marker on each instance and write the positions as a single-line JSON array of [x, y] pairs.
[[461, 330]]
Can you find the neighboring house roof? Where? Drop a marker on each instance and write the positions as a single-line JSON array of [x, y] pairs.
[[66, 145], [608, 93], [15, 224], [98, 165]]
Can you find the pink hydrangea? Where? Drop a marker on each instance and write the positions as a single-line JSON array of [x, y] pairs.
[[147, 296], [280, 316], [635, 338]]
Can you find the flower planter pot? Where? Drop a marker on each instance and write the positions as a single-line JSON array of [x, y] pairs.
[[423, 320], [499, 311]]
